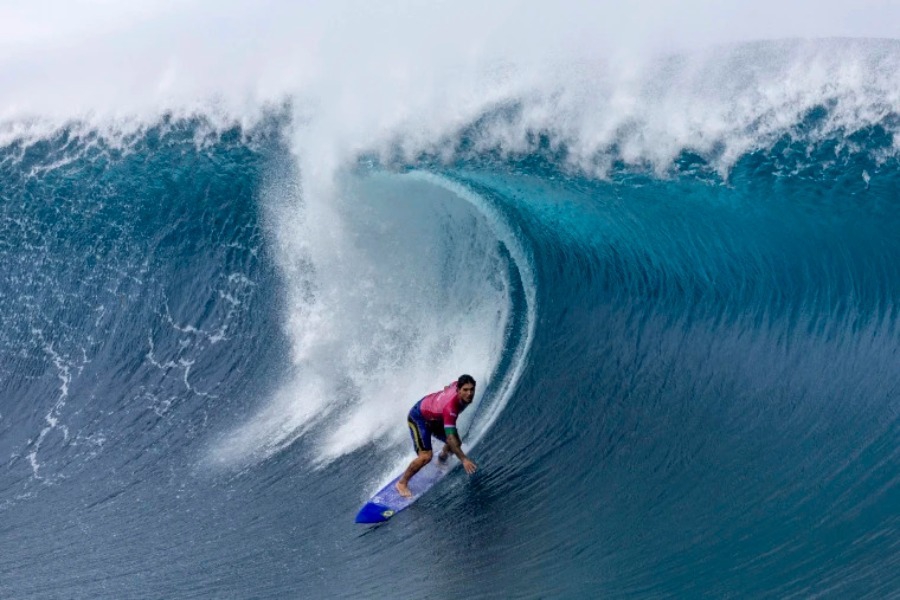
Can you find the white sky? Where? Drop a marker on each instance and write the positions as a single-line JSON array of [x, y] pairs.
[[61, 57], [26, 22]]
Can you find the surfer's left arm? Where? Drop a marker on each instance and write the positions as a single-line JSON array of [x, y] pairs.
[[454, 444]]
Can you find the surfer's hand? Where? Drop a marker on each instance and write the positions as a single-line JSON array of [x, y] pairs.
[[469, 466]]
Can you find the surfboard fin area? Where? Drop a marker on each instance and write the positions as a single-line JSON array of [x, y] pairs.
[[374, 513]]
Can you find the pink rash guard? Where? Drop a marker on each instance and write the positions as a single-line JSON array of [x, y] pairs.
[[443, 406]]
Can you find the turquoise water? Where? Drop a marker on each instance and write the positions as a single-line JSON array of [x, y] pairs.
[[687, 375]]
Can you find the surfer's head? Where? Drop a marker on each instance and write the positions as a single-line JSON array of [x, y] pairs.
[[465, 388]]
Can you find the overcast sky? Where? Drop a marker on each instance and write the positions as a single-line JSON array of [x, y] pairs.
[[594, 23], [96, 51]]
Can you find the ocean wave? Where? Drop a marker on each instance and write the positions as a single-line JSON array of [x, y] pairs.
[[676, 286]]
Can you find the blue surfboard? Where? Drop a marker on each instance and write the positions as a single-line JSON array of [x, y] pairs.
[[387, 501]]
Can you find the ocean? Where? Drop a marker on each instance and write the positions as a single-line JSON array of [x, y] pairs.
[[678, 290]]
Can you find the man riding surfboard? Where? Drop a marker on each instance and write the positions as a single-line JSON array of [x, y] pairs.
[[435, 415]]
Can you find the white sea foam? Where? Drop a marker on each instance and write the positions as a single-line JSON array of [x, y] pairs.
[[395, 286], [64, 372], [407, 76]]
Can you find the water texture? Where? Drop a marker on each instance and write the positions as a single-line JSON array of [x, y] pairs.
[[682, 315]]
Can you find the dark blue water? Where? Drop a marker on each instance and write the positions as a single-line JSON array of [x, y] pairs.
[[705, 394]]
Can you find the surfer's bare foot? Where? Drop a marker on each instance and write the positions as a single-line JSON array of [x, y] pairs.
[[403, 489], [443, 456]]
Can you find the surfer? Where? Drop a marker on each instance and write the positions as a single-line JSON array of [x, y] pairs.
[[435, 415]]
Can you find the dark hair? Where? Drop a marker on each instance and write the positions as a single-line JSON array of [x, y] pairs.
[[463, 380]]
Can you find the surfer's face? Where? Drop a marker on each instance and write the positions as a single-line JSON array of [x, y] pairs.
[[466, 392]]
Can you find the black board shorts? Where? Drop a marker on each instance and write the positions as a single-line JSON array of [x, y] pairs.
[[422, 430]]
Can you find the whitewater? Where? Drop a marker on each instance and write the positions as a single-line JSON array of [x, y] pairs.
[[238, 243]]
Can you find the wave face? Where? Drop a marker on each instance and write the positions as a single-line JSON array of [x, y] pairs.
[[686, 355]]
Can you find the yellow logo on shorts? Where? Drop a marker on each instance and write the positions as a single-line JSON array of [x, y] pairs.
[[387, 514]]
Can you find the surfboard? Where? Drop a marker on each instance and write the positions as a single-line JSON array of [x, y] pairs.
[[387, 501]]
